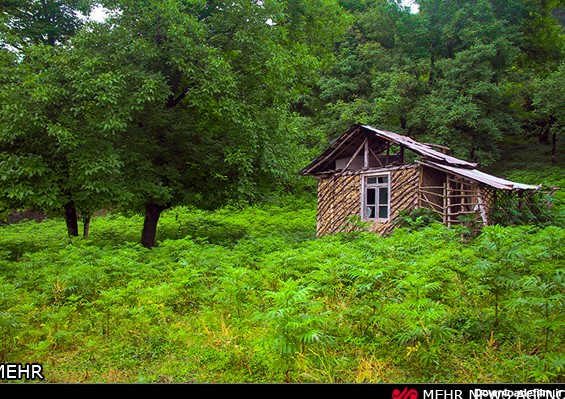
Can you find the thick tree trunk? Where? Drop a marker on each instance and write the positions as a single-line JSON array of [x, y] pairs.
[[152, 214], [71, 219]]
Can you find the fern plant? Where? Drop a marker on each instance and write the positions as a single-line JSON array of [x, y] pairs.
[[498, 269], [417, 321], [417, 218], [544, 295], [9, 322], [295, 323]]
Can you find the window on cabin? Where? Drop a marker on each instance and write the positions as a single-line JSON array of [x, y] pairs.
[[376, 198]]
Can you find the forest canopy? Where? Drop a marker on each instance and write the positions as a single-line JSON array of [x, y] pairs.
[[214, 103]]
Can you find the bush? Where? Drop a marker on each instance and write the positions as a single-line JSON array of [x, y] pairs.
[[417, 218]]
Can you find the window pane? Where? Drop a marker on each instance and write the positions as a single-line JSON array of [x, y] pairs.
[[383, 212], [371, 194], [376, 199], [383, 195]]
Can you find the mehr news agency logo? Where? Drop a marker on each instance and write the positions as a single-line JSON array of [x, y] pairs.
[[410, 393], [19, 371]]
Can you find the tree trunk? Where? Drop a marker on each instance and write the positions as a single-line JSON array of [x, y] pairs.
[[403, 122], [431, 76], [86, 223], [152, 214], [71, 219], [553, 145], [544, 134]]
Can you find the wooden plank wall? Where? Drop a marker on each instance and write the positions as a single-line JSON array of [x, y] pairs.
[[404, 194], [339, 198]]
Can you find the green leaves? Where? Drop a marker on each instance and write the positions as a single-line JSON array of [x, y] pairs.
[[25, 181], [249, 295], [455, 73], [297, 324], [548, 96], [176, 102]]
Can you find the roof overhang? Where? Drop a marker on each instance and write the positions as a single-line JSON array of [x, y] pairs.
[[482, 177]]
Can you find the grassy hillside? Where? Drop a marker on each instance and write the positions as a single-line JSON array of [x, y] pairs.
[[251, 296]]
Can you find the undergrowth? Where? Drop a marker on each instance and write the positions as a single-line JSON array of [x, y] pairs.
[[251, 295]]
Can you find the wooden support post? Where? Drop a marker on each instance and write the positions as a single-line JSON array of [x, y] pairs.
[[366, 154], [420, 180], [482, 207], [445, 204], [402, 154], [354, 155]]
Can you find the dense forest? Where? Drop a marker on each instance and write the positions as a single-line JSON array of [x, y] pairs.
[[158, 149]]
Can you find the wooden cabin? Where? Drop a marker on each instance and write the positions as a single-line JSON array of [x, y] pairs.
[[373, 174]]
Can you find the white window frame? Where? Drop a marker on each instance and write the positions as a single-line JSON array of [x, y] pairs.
[[365, 186]]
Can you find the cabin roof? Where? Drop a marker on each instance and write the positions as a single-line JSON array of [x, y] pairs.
[[422, 149], [482, 177], [346, 144], [342, 146]]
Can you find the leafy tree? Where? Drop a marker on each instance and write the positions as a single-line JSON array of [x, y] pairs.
[[548, 102], [539, 35], [380, 49], [540, 42], [232, 70], [459, 73], [28, 22], [163, 103], [35, 141], [466, 107], [488, 54]]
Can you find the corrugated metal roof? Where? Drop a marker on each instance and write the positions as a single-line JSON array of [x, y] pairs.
[[482, 177], [420, 148], [425, 150], [430, 157]]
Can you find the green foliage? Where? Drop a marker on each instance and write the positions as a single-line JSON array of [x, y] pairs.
[[250, 295], [31, 22], [297, 321], [465, 74], [163, 103], [547, 113], [535, 208], [204, 107], [417, 218], [543, 208]]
